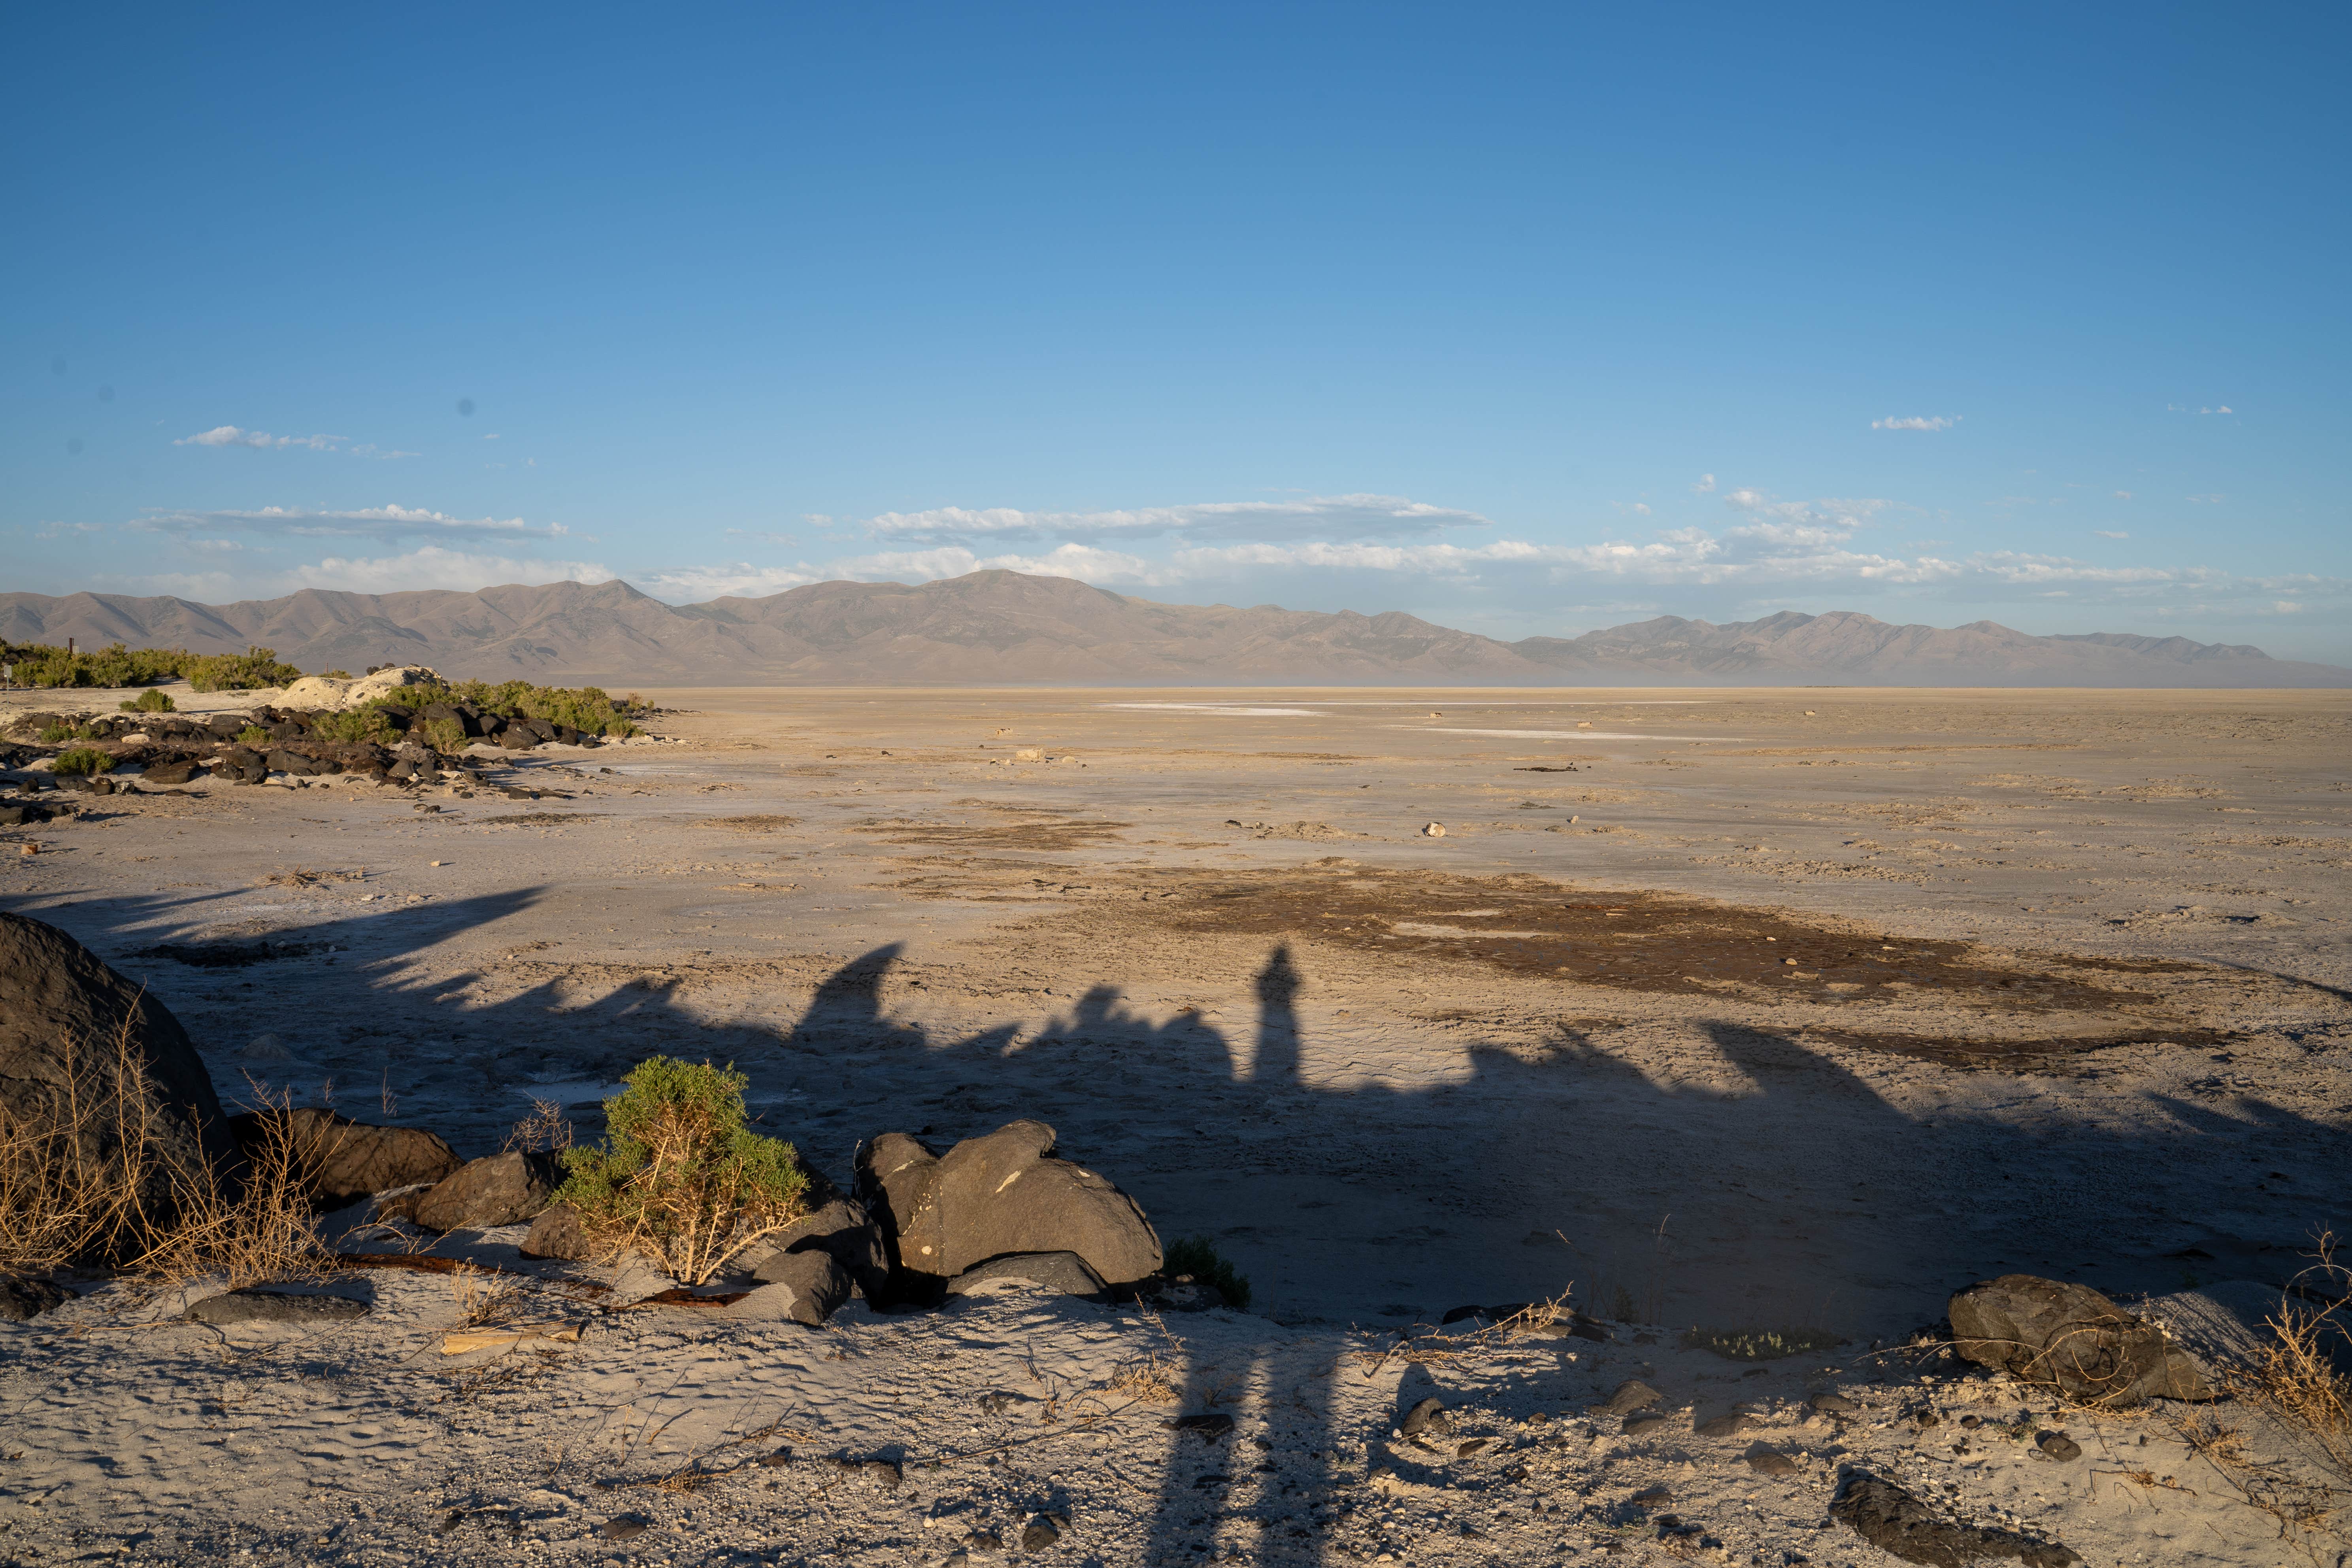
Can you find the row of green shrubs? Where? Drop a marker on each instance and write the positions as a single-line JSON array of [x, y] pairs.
[[116, 665], [590, 709]]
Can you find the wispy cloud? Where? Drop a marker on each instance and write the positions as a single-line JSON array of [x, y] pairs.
[[1918, 422], [737, 580], [2184, 408], [262, 440], [428, 566], [2110, 533], [384, 523], [66, 530], [1349, 516], [1706, 485], [2122, 495]]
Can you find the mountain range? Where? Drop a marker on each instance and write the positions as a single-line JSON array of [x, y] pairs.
[[1007, 627]]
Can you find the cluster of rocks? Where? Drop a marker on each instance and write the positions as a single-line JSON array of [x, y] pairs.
[[171, 750], [918, 1227]]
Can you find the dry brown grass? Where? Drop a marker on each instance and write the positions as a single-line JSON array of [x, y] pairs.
[[485, 1297], [1150, 1380], [72, 1170], [544, 1132], [85, 1178], [2294, 1377]]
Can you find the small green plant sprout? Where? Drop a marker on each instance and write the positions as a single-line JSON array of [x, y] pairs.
[[150, 702], [253, 735], [1194, 1255], [680, 1178], [1759, 1344], [82, 760]]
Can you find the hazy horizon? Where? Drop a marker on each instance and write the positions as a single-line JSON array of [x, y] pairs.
[[1524, 321]]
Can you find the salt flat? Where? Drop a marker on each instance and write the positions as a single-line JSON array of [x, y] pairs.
[[1738, 1009]]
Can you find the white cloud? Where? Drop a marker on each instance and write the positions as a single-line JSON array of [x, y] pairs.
[[384, 523], [2122, 495], [1917, 422], [428, 566], [262, 440], [59, 529], [214, 546], [2110, 533], [230, 436], [1349, 516], [1706, 485], [742, 580]]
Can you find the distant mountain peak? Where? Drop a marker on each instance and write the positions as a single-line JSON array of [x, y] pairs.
[[1005, 626]]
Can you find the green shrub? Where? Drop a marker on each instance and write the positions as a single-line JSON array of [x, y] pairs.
[[151, 702], [338, 675], [253, 735], [355, 724], [255, 667], [83, 760], [56, 734], [442, 734], [680, 1178], [1194, 1255], [588, 709]]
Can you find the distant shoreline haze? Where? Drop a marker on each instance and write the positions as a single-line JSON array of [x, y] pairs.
[[1007, 628]]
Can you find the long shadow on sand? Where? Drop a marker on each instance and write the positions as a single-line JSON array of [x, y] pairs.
[[1784, 1189]]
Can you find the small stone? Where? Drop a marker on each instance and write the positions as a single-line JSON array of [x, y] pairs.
[[1725, 1425], [1040, 1533], [1428, 1416], [1653, 1497], [1971, 1421], [1642, 1425], [22, 1300], [624, 1527], [1211, 1425], [273, 1307], [1834, 1404], [987, 1542], [884, 1473], [1472, 1447], [1771, 1462], [2058, 1446], [1433, 830], [1631, 1396]]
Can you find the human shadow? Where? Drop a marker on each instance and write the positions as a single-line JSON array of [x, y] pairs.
[[1749, 1181]]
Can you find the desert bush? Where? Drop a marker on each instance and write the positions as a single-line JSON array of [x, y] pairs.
[[544, 1132], [338, 674], [588, 709], [82, 760], [445, 735], [355, 724], [150, 702], [1194, 1255], [680, 1178], [56, 734], [253, 735], [2294, 1376], [255, 667], [74, 1169]]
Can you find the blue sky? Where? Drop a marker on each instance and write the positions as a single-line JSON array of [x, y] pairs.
[[1524, 319]]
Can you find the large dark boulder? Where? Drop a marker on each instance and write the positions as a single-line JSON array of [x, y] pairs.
[[840, 1227], [1900, 1525], [65, 1021], [501, 1189], [558, 1232], [242, 765], [178, 771], [818, 1285], [2072, 1339], [1002, 1193], [349, 1160]]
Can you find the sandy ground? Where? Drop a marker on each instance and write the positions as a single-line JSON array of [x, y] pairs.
[[2070, 995]]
